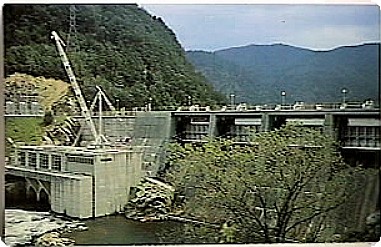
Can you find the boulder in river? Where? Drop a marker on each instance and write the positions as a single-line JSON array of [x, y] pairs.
[[152, 200], [53, 239]]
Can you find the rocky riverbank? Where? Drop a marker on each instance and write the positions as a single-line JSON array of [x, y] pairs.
[[26, 228], [152, 201]]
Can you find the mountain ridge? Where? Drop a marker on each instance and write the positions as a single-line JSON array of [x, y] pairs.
[[305, 75], [289, 45]]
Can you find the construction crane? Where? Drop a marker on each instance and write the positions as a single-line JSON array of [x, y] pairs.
[[77, 91], [98, 97], [102, 94]]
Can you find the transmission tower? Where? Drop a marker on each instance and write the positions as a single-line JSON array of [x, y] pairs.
[[72, 46]]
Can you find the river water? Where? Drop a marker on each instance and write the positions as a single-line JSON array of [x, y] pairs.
[[117, 230], [22, 225], [109, 230]]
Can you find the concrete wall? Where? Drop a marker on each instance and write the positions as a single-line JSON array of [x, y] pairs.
[[113, 128], [152, 131], [72, 197], [111, 186], [134, 173], [90, 183], [69, 193], [79, 167]]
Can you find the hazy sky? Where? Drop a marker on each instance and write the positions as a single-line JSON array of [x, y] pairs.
[[319, 27]]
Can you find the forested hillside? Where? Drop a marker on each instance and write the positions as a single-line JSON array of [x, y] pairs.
[[122, 48], [258, 73]]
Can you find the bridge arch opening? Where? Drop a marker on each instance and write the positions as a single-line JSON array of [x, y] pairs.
[[44, 200], [43, 194], [37, 200], [15, 191], [31, 195]]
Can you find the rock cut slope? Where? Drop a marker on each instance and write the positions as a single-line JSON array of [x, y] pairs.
[[48, 91]]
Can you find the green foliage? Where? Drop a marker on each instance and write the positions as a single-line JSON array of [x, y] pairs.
[[284, 187], [48, 118], [228, 233], [131, 54], [258, 73], [27, 129]]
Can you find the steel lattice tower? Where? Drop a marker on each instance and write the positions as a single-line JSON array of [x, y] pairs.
[[72, 46]]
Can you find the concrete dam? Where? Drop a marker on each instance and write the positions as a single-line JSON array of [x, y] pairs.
[[88, 181]]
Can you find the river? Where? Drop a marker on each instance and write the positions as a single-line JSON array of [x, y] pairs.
[[109, 230], [117, 230], [22, 225]]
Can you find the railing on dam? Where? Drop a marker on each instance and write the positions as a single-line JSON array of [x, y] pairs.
[[15, 109], [245, 107]]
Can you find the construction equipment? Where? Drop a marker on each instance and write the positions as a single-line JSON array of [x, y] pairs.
[[98, 97], [77, 90]]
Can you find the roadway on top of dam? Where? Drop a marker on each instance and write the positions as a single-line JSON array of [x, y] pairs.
[[313, 110]]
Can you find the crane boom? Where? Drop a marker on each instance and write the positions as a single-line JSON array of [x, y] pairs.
[[108, 102], [77, 91]]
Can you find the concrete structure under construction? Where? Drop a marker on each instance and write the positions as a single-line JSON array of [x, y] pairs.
[[86, 181], [79, 182]]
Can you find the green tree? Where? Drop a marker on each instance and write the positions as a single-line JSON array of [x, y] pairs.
[[285, 186], [48, 118]]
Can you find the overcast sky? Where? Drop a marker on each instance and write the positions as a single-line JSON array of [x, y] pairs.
[[319, 27]]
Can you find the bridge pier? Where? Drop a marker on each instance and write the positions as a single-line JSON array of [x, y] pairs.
[[329, 126], [212, 126], [265, 122], [31, 193], [38, 187]]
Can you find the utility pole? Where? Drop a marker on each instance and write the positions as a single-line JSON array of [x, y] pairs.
[[283, 98], [344, 91], [232, 101]]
